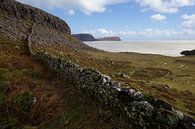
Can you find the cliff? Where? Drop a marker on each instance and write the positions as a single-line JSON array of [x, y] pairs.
[[84, 37], [20, 11]]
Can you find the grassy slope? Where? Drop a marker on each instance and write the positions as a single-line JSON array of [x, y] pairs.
[[148, 73], [58, 106]]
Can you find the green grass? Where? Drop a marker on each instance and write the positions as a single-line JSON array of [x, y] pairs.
[[4, 75], [58, 106], [147, 73]]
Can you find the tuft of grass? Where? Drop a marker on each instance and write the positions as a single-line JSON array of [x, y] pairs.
[[24, 100], [19, 73], [4, 75]]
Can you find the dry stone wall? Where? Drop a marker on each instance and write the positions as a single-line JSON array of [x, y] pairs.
[[144, 112]]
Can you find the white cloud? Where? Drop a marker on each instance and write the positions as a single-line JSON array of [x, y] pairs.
[[189, 21], [71, 12], [165, 6], [105, 32], [91, 6], [86, 6], [158, 17]]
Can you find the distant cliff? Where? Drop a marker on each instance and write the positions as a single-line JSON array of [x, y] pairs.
[[84, 37], [109, 39], [90, 37]]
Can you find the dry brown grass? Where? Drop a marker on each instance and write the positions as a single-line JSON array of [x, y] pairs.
[[58, 106], [147, 73], [25, 75]]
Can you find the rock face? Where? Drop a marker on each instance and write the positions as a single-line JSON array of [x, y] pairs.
[[109, 39], [144, 112], [41, 37], [17, 20], [84, 37], [21, 11], [188, 53]]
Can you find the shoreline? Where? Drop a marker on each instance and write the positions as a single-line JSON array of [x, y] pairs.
[[164, 48]]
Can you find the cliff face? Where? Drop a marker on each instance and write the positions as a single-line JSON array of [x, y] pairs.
[[84, 37], [20, 11]]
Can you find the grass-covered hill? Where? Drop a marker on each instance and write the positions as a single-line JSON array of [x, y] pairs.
[[33, 96]]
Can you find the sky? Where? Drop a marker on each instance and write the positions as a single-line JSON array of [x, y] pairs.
[[128, 19]]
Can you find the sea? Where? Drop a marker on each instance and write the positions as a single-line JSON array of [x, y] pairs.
[[168, 48]]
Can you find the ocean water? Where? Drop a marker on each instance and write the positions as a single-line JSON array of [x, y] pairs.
[[167, 48]]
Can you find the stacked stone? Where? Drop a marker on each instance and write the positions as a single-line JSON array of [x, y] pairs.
[[144, 112]]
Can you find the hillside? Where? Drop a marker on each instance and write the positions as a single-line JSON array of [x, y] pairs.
[[84, 37], [55, 104], [49, 79]]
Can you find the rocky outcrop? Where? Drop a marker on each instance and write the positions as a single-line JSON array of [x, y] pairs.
[[20, 11], [41, 37], [113, 38], [84, 37], [188, 53], [144, 112]]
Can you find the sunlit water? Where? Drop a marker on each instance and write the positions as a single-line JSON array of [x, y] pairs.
[[168, 48]]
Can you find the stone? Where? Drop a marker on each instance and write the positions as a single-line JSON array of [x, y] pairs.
[[17, 47], [179, 114], [141, 112], [21, 11], [122, 75]]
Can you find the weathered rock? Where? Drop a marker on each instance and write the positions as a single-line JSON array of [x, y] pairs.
[[141, 112], [186, 123], [41, 37], [21, 11], [122, 75]]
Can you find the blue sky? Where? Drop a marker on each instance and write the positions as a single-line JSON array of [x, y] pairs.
[[129, 19]]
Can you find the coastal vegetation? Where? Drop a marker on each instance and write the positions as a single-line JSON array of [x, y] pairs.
[[50, 80]]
